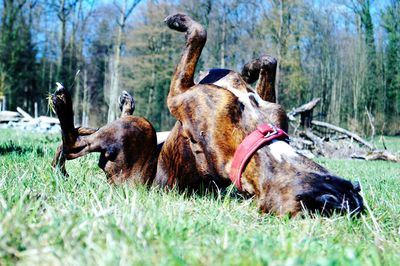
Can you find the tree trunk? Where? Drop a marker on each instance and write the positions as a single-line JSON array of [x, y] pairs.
[[222, 62], [112, 108], [60, 61], [85, 101], [124, 12], [77, 96], [279, 50]]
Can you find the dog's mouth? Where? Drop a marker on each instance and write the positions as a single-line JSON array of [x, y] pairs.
[[333, 197], [352, 204]]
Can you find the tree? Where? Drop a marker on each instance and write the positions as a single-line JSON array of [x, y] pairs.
[[391, 24], [124, 11], [99, 52], [370, 88], [323, 49], [279, 20], [18, 64], [64, 9], [152, 50]]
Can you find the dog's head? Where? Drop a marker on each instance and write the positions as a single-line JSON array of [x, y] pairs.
[[216, 118]]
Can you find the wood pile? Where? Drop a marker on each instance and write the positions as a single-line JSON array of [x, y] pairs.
[[316, 138], [24, 121]]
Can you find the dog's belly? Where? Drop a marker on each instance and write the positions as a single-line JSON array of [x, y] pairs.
[[162, 136]]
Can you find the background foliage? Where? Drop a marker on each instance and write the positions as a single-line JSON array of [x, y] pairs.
[[344, 51]]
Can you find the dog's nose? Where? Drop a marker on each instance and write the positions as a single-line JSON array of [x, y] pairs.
[[359, 203]]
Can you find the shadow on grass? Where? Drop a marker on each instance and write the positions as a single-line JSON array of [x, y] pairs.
[[12, 147]]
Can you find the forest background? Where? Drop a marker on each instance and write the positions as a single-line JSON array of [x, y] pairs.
[[347, 52]]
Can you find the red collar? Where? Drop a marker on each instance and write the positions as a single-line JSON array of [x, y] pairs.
[[263, 134]]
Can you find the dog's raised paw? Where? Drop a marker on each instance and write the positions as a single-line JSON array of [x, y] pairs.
[[126, 101], [179, 22], [267, 61], [60, 89], [61, 95]]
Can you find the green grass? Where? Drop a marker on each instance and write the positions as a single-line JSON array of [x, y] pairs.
[[392, 143], [45, 219]]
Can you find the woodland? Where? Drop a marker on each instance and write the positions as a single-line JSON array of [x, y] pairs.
[[345, 52]]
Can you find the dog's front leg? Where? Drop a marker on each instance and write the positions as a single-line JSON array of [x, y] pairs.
[[196, 37], [262, 70]]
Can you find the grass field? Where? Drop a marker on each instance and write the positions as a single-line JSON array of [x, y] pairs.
[[45, 219]]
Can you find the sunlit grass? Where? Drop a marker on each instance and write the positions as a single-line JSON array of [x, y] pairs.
[[391, 143], [46, 219]]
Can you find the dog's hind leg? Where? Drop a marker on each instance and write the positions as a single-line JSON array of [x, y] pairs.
[[63, 107], [59, 161], [262, 70], [59, 157], [127, 106], [74, 141]]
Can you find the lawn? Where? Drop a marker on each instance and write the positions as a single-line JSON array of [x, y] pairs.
[[46, 219]]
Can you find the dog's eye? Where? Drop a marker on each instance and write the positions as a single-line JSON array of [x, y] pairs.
[[185, 136], [188, 137], [253, 100], [241, 106]]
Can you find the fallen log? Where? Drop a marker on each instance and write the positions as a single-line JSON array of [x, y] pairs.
[[378, 155], [343, 131], [318, 142], [337, 146], [48, 120], [24, 114], [305, 107], [305, 112], [301, 141], [9, 116]]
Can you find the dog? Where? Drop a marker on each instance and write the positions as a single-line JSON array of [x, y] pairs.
[[216, 117], [226, 132]]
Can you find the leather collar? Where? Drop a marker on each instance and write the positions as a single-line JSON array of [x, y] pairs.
[[263, 135]]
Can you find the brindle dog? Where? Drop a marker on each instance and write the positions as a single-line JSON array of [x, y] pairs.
[[215, 116]]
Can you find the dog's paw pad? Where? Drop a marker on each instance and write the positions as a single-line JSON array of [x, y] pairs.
[[125, 99], [268, 61], [179, 22], [60, 96], [60, 89]]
